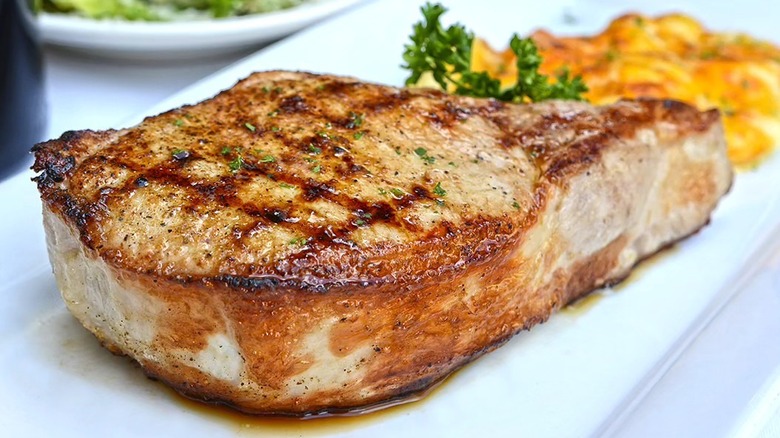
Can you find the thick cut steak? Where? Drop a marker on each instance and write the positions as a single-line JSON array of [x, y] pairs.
[[303, 243]]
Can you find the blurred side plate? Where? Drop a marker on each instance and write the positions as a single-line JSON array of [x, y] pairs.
[[180, 40]]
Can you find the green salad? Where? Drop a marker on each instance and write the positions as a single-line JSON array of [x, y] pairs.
[[162, 10]]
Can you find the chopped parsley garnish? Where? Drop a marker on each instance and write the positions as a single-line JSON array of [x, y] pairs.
[[236, 164], [276, 129], [266, 89], [273, 113], [180, 154], [438, 191], [363, 217], [382, 191], [250, 127], [355, 120], [359, 135], [226, 151], [316, 169], [267, 159], [398, 193], [178, 122], [286, 186], [323, 134], [515, 205], [446, 55], [298, 241], [314, 149], [423, 153]]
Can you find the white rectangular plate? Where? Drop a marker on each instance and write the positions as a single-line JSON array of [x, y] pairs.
[[572, 376]]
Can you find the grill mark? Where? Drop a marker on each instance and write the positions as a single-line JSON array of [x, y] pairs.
[[321, 238], [293, 104], [382, 99], [326, 238], [223, 191], [448, 114], [581, 151], [552, 154], [366, 98], [341, 89], [349, 168], [313, 190]]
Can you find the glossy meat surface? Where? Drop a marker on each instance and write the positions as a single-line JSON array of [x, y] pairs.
[[278, 247]]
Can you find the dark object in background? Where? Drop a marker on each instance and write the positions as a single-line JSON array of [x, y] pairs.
[[22, 110]]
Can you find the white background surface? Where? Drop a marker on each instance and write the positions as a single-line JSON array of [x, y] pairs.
[[719, 385]]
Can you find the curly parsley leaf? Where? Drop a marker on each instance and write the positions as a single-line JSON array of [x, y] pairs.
[[534, 85], [446, 55]]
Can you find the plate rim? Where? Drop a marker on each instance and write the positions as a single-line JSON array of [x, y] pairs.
[[115, 34]]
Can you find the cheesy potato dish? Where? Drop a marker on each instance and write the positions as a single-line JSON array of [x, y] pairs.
[[671, 56]]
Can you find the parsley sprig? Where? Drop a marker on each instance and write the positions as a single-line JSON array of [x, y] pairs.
[[446, 55]]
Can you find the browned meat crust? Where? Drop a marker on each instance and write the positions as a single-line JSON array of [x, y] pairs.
[[308, 243]]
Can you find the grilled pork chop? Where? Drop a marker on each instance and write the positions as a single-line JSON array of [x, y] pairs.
[[303, 244]]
